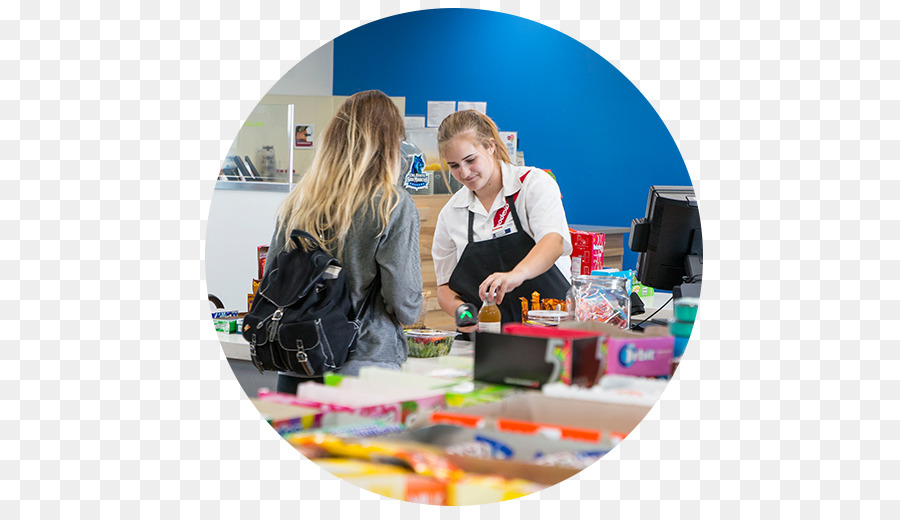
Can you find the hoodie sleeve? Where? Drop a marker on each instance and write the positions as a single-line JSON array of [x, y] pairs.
[[398, 259]]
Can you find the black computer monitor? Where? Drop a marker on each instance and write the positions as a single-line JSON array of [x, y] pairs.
[[669, 240]]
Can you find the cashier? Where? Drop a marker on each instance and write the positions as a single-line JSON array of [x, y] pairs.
[[505, 232]]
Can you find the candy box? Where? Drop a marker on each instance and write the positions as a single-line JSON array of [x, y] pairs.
[[330, 399], [375, 376], [411, 400], [646, 354], [557, 418], [388, 480], [361, 398], [509, 469], [587, 251], [474, 490], [225, 325], [532, 356], [501, 445], [476, 392], [286, 419]]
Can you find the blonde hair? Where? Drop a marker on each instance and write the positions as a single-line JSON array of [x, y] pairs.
[[357, 160], [477, 128]]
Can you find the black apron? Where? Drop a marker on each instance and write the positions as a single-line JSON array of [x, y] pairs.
[[499, 255]]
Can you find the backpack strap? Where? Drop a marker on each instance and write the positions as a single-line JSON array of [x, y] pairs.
[[297, 234], [375, 287]]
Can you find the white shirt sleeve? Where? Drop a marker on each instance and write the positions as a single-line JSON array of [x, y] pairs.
[[443, 250], [543, 203]]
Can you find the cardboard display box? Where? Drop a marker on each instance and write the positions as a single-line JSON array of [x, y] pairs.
[[534, 413], [532, 356], [499, 445]]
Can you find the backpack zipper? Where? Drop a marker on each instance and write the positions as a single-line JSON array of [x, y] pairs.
[[274, 323]]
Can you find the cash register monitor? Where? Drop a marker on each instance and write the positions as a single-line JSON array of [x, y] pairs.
[[669, 241]]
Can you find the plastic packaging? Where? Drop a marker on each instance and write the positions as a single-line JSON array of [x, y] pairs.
[[425, 343], [600, 298]]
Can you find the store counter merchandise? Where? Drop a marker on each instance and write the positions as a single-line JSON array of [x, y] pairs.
[[236, 348], [614, 242], [432, 434]]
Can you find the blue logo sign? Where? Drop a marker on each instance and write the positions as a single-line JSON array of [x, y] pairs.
[[416, 178]]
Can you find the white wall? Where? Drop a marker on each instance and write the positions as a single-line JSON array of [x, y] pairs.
[[239, 221], [313, 76]]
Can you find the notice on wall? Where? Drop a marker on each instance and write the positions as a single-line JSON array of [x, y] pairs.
[[303, 136], [414, 122], [478, 106], [438, 110], [510, 140]]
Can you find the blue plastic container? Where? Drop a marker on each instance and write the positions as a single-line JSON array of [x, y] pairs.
[[680, 345]]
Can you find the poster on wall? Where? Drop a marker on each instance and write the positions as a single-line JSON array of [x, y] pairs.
[[303, 136], [437, 111], [511, 141], [478, 106]]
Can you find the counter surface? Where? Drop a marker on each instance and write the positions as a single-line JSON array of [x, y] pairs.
[[236, 347]]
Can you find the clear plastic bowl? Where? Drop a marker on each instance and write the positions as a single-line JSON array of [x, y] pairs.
[[424, 343]]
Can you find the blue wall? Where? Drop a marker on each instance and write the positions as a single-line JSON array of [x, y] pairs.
[[575, 113]]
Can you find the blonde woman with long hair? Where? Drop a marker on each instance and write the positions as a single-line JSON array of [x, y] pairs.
[[504, 233], [349, 200]]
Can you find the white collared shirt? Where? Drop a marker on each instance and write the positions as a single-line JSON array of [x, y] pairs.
[[538, 204]]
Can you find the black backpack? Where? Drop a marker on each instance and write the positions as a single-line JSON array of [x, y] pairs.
[[301, 319]]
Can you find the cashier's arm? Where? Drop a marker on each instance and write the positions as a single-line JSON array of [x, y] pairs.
[[448, 299], [542, 257], [449, 302]]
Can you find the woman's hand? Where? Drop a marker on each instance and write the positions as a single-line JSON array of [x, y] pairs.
[[449, 302], [539, 259], [499, 284]]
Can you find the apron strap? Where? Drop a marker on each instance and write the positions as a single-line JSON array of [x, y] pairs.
[[511, 202]]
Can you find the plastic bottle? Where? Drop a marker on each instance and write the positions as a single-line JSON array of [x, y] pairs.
[[489, 316]]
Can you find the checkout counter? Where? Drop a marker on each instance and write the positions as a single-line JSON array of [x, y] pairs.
[[458, 363]]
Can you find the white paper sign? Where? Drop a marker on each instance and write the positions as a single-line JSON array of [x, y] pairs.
[[414, 122], [509, 140], [438, 110], [478, 106]]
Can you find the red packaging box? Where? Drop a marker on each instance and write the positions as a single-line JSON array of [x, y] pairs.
[[587, 251], [261, 253]]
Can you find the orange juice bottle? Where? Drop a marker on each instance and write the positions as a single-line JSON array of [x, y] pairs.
[[489, 316]]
